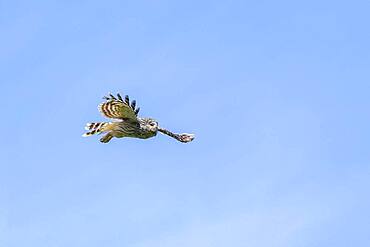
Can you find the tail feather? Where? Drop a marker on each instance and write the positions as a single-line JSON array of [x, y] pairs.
[[95, 128], [90, 126]]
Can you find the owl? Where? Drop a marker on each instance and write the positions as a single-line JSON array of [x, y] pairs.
[[126, 122]]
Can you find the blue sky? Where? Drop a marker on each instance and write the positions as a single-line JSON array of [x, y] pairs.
[[277, 93]]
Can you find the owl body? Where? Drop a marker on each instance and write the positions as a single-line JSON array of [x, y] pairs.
[[127, 123], [144, 129]]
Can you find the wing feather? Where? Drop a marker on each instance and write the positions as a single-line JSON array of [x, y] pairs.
[[117, 108]]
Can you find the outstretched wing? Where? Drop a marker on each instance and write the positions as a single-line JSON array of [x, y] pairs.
[[119, 108], [184, 137]]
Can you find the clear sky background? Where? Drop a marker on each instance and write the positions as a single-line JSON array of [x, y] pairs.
[[277, 93]]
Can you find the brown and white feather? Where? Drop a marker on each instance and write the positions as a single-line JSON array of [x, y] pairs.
[[119, 108], [96, 128]]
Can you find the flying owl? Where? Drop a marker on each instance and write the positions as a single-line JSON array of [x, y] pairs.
[[127, 123]]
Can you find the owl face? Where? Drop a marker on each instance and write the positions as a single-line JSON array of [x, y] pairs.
[[149, 124]]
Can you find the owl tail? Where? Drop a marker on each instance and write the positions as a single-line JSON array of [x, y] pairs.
[[95, 128]]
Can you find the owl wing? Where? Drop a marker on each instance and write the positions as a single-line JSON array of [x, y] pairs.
[[184, 137], [118, 108]]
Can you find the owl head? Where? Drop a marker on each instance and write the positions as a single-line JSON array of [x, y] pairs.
[[149, 124]]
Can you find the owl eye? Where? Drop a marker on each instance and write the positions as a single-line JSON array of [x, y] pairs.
[[152, 124]]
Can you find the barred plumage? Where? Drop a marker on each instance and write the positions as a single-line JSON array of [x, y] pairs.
[[95, 128], [129, 124]]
